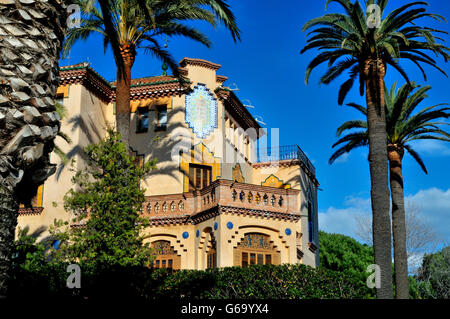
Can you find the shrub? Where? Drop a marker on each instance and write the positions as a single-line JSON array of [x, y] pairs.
[[263, 282]]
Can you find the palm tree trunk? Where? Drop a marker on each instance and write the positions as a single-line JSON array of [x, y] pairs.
[[374, 72], [123, 88], [31, 37], [398, 222]]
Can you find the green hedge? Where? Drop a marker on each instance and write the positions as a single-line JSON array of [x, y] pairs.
[[265, 282]]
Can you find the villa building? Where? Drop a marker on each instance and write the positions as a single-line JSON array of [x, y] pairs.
[[218, 197]]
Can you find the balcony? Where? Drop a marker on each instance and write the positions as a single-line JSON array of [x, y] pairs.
[[283, 153], [229, 196]]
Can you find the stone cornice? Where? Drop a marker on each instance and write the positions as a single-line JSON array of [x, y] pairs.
[[259, 213], [218, 210], [236, 109], [221, 79], [312, 247], [170, 220], [200, 62]]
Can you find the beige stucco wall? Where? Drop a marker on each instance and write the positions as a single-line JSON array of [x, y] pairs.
[[84, 124], [193, 249], [295, 176]]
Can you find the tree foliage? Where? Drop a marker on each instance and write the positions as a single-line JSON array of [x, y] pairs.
[[142, 23], [403, 126], [434, 275], [347, 40], [421, 237], [345, 254], [106, 200]]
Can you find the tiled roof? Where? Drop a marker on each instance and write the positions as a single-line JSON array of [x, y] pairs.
[[151, 80], [155, 86], [141, 88]]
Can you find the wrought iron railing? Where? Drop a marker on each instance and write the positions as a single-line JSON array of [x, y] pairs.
[[281, 153]]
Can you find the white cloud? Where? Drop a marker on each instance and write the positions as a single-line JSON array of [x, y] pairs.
[[343, 220], [433, 204], [431, 147]]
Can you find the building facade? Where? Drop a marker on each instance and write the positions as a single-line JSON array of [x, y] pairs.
[[219, 196]]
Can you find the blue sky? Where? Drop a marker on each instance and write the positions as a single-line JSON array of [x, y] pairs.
[[269, 71]]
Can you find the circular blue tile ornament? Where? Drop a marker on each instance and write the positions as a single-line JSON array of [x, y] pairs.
[[216, 226], [230, 225], [185, 235], [197, 233], [288, 231], [56, 244]]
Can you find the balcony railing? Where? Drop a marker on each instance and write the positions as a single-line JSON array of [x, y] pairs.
[[223, 193], [281, 153]]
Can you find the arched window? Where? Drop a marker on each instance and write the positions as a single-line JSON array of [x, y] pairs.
[[256, 249], [166, 256]]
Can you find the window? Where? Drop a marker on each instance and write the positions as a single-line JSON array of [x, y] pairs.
[[256, 249], [244, 260], [310, 223], [211, 259], [60, 99], [260, 259], [199, 176], [142, 120], [252, 259], [166, 257], [161, 118]]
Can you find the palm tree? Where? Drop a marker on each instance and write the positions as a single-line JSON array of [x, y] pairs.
[[351, 41], [136, 27], [31, 38], [402, 128]]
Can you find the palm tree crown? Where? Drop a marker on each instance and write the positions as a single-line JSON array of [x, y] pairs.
[[135, 28], [351, 37], [401, 125]]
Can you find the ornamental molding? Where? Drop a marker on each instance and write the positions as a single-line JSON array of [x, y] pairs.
[[170, 220], [218, 210], [199, 62], [312, 247], [30, 211], [236, 109], [259, 213], [221, 79], [83, 74], [205, 215]]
